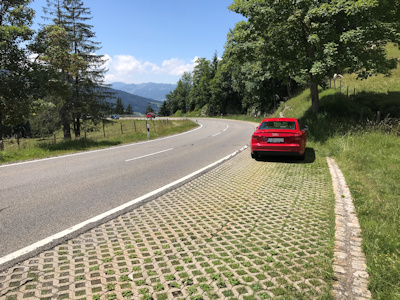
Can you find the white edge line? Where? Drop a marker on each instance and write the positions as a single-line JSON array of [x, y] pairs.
[[98, 218], [93, 151], [149, 154]]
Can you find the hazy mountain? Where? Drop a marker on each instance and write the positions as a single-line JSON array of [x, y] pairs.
[[150, 90], [138, 103]]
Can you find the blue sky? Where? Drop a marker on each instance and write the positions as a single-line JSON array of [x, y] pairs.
[[156, 40]]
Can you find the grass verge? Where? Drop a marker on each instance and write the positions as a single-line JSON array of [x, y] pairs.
[[371, 165], [114, 133]]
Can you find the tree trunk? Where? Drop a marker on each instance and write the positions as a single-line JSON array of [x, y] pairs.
[[314, 97], [77, 127], [289, 88], [67, 130], [1, 134], [65, 122]]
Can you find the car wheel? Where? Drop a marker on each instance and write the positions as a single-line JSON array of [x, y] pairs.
[[302, 156], [254, 155]]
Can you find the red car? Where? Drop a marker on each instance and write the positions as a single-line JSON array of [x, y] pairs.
[[279, 136], [151, 115]]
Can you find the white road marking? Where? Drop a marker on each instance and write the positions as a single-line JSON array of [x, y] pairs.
[[15, 255], [227, 126], [149, 154]]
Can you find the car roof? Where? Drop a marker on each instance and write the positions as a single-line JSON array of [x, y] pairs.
[[279, 119]]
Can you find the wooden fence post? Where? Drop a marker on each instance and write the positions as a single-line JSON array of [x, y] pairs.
[[1, 145], [55, 137], [122, 132]]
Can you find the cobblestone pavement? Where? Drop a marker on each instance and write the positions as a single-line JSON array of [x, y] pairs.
[[245, 230]]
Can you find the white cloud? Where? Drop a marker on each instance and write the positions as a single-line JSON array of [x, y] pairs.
[[128, 69]]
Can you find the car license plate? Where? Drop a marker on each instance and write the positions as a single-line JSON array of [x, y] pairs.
[[275, 140]]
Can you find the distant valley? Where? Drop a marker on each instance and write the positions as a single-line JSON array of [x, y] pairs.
[[139, 104], [139, 95], [156, 91]]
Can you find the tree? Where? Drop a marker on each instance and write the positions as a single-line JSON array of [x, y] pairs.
[[224, 98], [119, 108], [164, 110], [149, 108], [201, 77], [310, 40], [178, 99], [54, 65], [88, 98], [214, 64], [15, 68], [129, 110], [81, 71]]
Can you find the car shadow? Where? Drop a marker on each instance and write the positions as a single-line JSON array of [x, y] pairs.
[[309, 158]]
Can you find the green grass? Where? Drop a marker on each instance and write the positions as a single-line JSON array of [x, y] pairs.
[[370, 162], [114, 133], [366, 149]]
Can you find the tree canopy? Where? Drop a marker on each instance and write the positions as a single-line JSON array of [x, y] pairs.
[[311, 40], [15, 68], [285, 44]]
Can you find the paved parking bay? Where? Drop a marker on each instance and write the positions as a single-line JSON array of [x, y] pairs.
[[245, 230]]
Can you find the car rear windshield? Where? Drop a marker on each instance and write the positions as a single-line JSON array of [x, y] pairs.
[[278, 125]]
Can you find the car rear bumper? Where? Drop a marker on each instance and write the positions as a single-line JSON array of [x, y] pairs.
[[277, 149]]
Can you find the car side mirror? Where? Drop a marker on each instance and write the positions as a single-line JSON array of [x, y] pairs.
[[256, 127]]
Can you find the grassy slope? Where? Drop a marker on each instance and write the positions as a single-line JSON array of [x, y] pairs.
[[369, 156]]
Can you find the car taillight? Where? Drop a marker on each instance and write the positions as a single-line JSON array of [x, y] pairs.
[[297, 138], [256, 137]]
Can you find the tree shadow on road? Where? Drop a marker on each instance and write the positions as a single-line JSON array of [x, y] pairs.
[[79, 145], [309, 157]]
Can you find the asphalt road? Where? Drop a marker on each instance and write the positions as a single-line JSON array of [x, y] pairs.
[[43, 197]]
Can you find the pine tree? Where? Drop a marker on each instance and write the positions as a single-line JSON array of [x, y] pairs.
[[119, 108], [89, 91], [149, 108], [129, 110], [84, 73], [164, 110]]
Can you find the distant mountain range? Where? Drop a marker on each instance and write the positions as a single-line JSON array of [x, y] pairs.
[[156, 91], [138, 103]]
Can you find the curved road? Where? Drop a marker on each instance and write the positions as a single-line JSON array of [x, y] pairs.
[[43, 197]]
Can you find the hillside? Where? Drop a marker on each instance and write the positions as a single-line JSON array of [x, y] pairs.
[[138, 103], [150, 90]]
